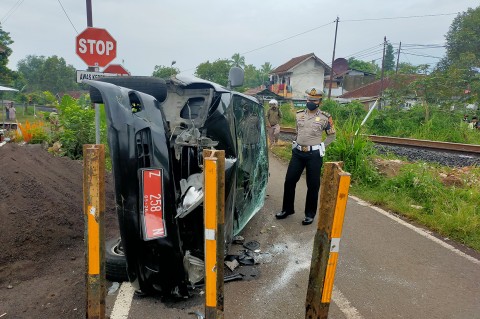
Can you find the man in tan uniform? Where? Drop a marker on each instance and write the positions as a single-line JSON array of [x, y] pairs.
[[274, 115], [307, 152]]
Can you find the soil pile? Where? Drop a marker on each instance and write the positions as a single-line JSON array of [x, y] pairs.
[[42, 265]]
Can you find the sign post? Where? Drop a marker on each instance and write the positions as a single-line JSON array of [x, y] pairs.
[[333, 202], [214, 221], [94, 211]]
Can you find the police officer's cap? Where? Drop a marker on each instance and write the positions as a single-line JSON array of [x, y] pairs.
[[273, 101], [314, 94]]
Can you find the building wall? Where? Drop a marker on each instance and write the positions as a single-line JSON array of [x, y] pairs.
[[305, 76]]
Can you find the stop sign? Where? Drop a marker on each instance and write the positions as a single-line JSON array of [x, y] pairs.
[[117, 69], [96, 47]]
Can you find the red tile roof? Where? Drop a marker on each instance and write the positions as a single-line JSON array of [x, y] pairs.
[[374, 89], [286, 67]]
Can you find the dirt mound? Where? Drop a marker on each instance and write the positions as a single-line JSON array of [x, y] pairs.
[[41, 233]]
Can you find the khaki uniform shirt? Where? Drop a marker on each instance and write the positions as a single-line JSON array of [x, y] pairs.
[[311, 126], [274, 116]]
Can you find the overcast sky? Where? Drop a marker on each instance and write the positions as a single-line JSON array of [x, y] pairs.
[[190, 32]]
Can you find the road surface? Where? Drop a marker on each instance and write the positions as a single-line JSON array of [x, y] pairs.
[[387, 269]]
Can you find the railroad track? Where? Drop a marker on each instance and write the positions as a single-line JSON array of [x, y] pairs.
[[409, 142], [440, 146]]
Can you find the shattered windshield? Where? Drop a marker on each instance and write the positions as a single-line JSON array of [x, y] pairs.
[[252, 160]]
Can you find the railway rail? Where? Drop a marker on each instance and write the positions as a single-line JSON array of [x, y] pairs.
[[409, 142], [441, 146]]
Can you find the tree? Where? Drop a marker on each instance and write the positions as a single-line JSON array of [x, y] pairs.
[[238, 60], [214, 71], [462, 41], [389, 58], [164, 72], [360, 65], [7, 76], [253, 77], [408, 68], [47, 74], [265, 70]]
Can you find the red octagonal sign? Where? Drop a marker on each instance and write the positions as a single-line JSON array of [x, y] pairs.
[[96, 47]]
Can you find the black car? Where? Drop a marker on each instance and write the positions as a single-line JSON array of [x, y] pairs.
[[157, 130]]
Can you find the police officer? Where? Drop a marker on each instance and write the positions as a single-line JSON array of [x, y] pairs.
[[307, 152]]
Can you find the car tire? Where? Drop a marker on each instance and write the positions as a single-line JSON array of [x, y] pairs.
[[115, 261], [151, 85]]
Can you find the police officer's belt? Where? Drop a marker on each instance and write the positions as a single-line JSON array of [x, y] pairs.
[[306, 148]]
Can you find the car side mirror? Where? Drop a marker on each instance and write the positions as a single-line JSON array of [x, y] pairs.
[[236, 76]]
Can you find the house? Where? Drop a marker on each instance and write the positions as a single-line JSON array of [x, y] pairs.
[[291, 79], [347, 81], [369, 93], [263, 94]]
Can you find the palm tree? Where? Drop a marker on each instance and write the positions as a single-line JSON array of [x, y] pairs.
[[238, 60], [265, 69]]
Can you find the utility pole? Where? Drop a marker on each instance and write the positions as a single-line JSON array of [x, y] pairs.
[[398, 56], [89, 13], [333, 59], [383, 69]]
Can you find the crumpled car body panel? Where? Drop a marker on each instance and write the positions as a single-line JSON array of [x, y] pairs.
[[143, 133]]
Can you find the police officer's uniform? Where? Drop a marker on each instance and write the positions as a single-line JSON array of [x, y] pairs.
[[307, 152]]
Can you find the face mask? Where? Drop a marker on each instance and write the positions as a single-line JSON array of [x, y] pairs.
[[311, 106]]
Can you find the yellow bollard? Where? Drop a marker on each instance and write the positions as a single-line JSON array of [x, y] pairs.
[[332, 205], [94, 209], [214, 209]]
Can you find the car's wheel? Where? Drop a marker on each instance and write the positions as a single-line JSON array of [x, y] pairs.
[[115, 261], [153, 86]]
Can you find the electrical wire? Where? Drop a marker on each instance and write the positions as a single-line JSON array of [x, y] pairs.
[[361, 51], [285, 39], [368, 53], [401, 17], [11, 11], [61, 5], [422, 55]]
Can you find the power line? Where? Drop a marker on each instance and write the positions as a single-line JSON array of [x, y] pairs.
[[401, 17], [293, 36], [363, 51], [11, 11], [350, 20], [67, 16], [422, 55], [368, 54]]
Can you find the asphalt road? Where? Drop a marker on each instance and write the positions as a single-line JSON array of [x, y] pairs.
[[387, 269]]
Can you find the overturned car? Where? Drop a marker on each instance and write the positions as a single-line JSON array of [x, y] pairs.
[[157, 131]]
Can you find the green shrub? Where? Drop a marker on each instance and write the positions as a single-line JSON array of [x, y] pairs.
[[78, 127], [288, 115], [354, 151]]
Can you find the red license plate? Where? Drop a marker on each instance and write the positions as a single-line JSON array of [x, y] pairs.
[[153, 216]]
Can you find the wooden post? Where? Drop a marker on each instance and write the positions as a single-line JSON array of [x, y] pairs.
[[94, 209], [214, 209], [332, 204]]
